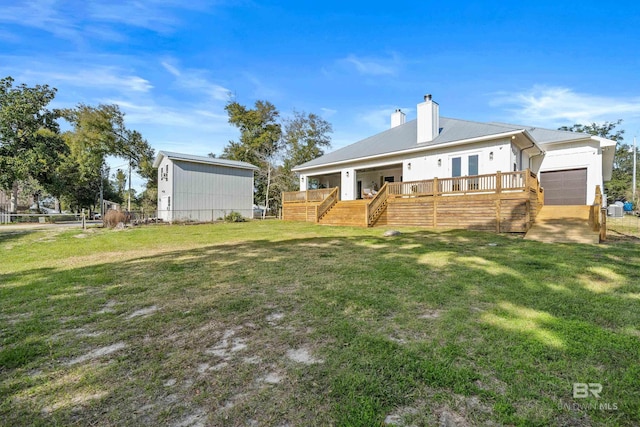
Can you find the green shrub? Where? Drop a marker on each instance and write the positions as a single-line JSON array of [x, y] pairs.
[[234, 217]]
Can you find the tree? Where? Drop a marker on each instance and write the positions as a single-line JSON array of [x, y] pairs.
[[305, 138], [605, 130], [30, 141], [619, 187], [99, 132], [263, 143], [120, 180], [259, 142]]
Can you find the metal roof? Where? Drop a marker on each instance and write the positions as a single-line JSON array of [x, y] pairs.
[[546, 136], [202, 159], [404, 137]]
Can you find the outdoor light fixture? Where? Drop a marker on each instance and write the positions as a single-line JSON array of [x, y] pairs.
[[439, 162], [347, 174], [409, 166], [491, 155]]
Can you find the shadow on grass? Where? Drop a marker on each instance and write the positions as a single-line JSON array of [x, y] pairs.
[[423, 317]]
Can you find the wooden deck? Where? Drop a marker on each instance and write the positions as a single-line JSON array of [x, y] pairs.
[[502, 202], [564, 224]]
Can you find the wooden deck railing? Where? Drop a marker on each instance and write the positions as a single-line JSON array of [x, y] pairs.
[[306, 196], [320, 201], [490, 183], [594, 213], [376, 206], [417, 188], [327, 203]]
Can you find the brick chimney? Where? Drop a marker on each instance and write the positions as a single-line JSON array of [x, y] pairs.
[[428, 120]]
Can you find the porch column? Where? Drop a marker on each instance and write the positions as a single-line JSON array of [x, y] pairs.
[[348, 184], [303, 183]]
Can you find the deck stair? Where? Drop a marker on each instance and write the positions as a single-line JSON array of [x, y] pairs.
[[346, 212], [563, 224]]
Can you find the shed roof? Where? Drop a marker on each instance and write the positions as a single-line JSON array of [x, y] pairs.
[[202, 159]]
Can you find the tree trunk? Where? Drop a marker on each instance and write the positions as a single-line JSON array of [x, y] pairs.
[[13, 206], [266, 199]]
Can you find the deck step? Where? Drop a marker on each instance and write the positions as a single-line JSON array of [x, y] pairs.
[[346, 212]]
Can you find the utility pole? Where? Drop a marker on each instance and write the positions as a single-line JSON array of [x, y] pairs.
[[102, 191], [635, 155], [129, 199]]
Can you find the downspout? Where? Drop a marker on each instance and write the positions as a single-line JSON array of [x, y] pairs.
[[540, 153], [524, 149]]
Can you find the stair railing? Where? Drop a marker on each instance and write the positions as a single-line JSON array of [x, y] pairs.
[[377, 205], [327, 203]]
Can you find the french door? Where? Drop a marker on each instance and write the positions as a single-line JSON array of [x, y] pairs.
[[470, 165]]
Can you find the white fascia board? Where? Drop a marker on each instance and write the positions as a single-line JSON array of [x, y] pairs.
[[419, 149], [533, 142], [158, 160], [202, 162], [604, 142]]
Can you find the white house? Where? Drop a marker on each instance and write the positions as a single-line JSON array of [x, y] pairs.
[[196, 188], [568, 164]]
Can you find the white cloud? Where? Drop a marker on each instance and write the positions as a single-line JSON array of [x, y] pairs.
[[75, 19], [197, 82], [96, 77], [151, 113], [373, 66], [41, 14], [261, 90], [379, 119], [328, 112], [170, 68], [555, 106], [151, 15]]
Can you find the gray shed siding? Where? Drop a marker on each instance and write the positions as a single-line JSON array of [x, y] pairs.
[[211, 190]]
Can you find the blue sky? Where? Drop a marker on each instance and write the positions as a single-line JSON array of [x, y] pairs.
[[171, 65]]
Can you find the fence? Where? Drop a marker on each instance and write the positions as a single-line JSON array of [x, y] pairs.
[[5, 218], [628, 225], [192, 215]]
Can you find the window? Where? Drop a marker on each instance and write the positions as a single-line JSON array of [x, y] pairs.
[[473, 171], [456, 167], [456, 171], [473, 165]]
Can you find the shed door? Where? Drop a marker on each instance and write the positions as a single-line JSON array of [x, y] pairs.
[[568, 187]]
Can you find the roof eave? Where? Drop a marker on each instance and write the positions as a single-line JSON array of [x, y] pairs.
[[423, 148], [162, 154]]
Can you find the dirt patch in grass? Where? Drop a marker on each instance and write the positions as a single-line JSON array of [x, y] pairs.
[[303, 355], [97, 353], [143, 312]]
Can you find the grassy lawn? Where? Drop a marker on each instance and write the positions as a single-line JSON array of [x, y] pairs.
[[271, 323]]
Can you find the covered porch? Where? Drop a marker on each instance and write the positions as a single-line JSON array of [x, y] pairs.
[[355, 183]]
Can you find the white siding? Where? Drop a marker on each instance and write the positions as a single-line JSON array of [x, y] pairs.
[[202, 192], [575, 156], [214, 188], [427, 167], [165, 188]]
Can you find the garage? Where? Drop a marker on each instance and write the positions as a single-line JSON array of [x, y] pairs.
[[566, 187]]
